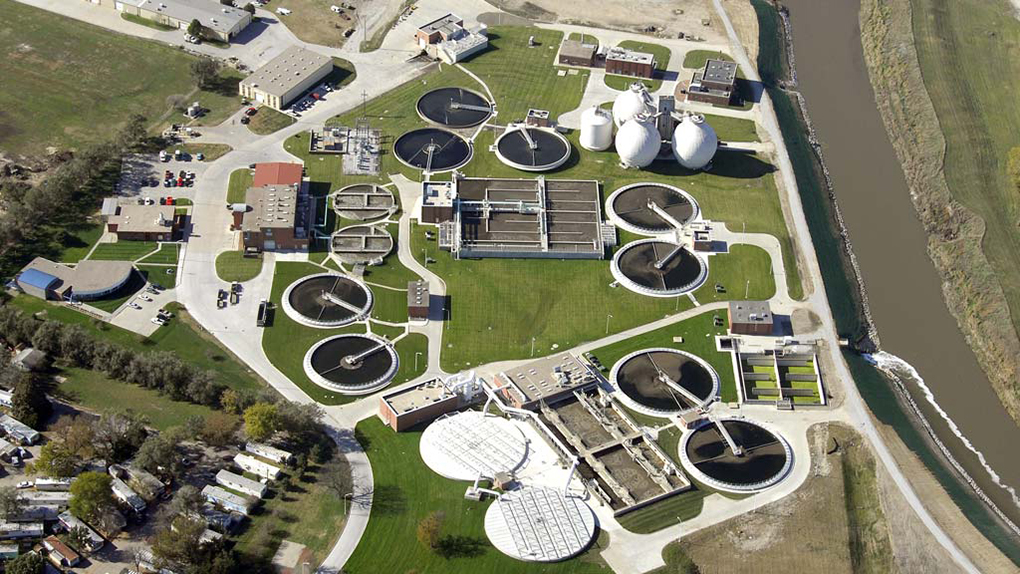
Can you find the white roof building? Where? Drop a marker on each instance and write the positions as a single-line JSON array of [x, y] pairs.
[[240, 484], [123, 493], [18, 431], [257, 467], [227, 500], [268, 452]]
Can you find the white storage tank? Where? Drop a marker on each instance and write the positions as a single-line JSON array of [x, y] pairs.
[[694, 142], [596, 129], [638, 142], [635, 100]]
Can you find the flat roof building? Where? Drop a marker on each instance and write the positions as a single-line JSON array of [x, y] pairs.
[[750, 318], [220, 22], [87, 280], [286, 77], [18, 431], [134, 222], [716, 83], [575, 53], [257, 467], [630, 63], [279, 214], [546, 380], [241, 484], [425, 402], [418, 300], [227, 500], [19, 530], [447, 39]]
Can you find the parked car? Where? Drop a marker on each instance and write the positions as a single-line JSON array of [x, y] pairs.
[[222, 294], [245, 120], [200, 156], [145, 298], [158, 321], [25, 484], [251, 111], [165, 313], [134, 305]]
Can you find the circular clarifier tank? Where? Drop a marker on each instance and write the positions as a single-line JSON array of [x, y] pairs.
[[658, 268], [630, 208], [532, 149], [327, 300], [454, 107], [762, 457], [471, 443], [538, 524], [361, 244], [352, 364], [432, 149], [665, 381]]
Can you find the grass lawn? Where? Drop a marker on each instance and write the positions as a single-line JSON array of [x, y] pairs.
[[532, 79], [268, 120], [312, 21], [662, 55], [147, 23], [166, 254], [287, 341], [124, 250], [308, 513], [53, 64], [405, 492], [78, 242], [733, 129], [683, 506], [695, 59], [391, 273], [183, 337], [234, 266], [237, 189], [211, 152], [97, 392], [745, 274], [157, 275], [699, 339], [389, 305]]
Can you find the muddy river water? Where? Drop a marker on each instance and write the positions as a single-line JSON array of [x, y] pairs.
[[902, 284]]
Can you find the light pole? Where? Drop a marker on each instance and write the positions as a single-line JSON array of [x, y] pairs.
[[346, 496], [608, 317], [532, 346], [416, 353], [747, 289]]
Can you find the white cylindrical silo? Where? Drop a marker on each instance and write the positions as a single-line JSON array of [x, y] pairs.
[[638, 142], [694, 142], [635, 100], [596, 129]]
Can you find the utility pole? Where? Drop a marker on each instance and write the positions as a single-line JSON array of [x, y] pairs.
[[747, 289], [608, 317], [532, 346]]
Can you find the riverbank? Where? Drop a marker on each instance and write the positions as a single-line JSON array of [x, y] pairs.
[[848, 300]]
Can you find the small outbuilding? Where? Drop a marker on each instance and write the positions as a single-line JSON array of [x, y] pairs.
[[30, 360], [750, 318]]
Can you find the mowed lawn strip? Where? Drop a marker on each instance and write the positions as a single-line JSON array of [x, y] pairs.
[[124, 250], [405, 492], [234, 266], [237, 187]]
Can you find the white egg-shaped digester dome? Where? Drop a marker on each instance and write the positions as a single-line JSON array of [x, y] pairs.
[[596, 129], [638, 142], [632, 102], [694, 142]]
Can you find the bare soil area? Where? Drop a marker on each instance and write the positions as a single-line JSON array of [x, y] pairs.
[[664, 18]]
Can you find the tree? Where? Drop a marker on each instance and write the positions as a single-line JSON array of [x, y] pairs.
[[118, 436], [91, 495], [11, 504], [30, 563], [77, 435], [47, 337], [179, 545], [187, 501], [29, 403], [430, 529], [205, 71], [249, 8], [261, 420], [54, 460], [1013, 168], [79, 538], [195, 28], [336, 476], [159, 455], [219, 429], [230, 401]]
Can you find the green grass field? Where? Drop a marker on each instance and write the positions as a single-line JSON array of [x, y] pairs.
[[211, 152], [268, 120], [234, 266], [662, 55], [405, 492], [237, 188], [53, 64], [699, 339], [166, 254], [182, 337], [733, 129], [745, 274], [78, 242], [124, 250], [157, 275], [389, 305], [147, 22], [979, 118], [287, 341], [695, 59]]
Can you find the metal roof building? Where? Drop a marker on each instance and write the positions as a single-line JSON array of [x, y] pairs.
[[286, 77]]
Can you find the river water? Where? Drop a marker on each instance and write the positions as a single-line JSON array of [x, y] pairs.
[[902, 284]]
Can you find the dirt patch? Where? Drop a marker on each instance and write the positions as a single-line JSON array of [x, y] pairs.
[[811, 528], [745, 23], [663, 18]]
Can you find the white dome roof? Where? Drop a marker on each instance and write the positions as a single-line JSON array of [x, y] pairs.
[[594, 116], [632, 102], [694, 142], [638, 142]]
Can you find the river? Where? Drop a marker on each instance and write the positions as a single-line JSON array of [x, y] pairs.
[[902, 284]]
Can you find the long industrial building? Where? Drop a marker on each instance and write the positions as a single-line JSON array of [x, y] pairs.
[[286, 77], [220, 22]]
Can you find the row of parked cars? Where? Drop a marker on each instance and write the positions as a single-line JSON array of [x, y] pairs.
[[308, 101]]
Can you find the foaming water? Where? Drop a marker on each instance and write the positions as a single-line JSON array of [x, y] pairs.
[[903, 373]]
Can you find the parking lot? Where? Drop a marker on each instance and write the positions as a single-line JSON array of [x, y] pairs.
[[139, 318], [317, 94], [142, 175]]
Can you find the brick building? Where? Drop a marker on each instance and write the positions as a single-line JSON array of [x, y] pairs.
[[716, 83], [624, 62], [278, 217]]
